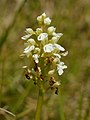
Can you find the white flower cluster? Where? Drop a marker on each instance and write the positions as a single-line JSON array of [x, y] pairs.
[[41, 44], [45, 43]]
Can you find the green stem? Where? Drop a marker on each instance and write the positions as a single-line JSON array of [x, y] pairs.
[[61, 111], [39, 104]]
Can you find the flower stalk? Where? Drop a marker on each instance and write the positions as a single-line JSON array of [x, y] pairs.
[[39, 104]]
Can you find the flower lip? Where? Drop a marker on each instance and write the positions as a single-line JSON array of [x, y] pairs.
[[26, 37], [42, 36], [29, 49], [60, 68], [50, 47], [59, 47]]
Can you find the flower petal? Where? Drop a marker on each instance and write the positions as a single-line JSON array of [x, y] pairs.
[[29, 49], [65, 53], [60, 68], [25, 37], [59, 47], [49, 48], [57, 55], [42, 36]]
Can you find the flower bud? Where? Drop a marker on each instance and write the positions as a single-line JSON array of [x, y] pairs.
[[50, 30], [51, 72], [31, 41], [39, 31], [37, 50], [39, 19], [29, 31], [43, 15], [47, 21]]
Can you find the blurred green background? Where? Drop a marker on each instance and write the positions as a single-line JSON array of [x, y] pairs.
[[18, 95]]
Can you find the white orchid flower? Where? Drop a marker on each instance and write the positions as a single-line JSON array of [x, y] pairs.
[[39, 19], [37, 50], [28, 50], [51, 30], [43, 15], [50, 47], [59, 47], [57, 34], [56, 37], [51, 72], [60, 68], [42, 36], [65, 53], [47, 21], [29, 31], [39, 31], [26, 37], [31, 41], [56, 84], [36, 56]]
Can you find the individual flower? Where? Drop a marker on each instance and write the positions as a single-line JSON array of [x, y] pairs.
[[26, 37], [51, 30], [31, 41], [56, 37], [51, 72], [65, 53], [43, 15], [28, 50], [36, 56], [59, 47], [41, 18], [61, 67], [29, 31], [42, 36], [37, 50], [39, 31], [47, 21], [50, 47], [56, 84]]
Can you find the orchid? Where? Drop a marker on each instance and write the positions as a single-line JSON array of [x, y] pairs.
[[44, 51], [44, 54], [45, 46]]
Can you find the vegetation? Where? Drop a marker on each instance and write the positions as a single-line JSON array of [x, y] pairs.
[[18, 96]]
